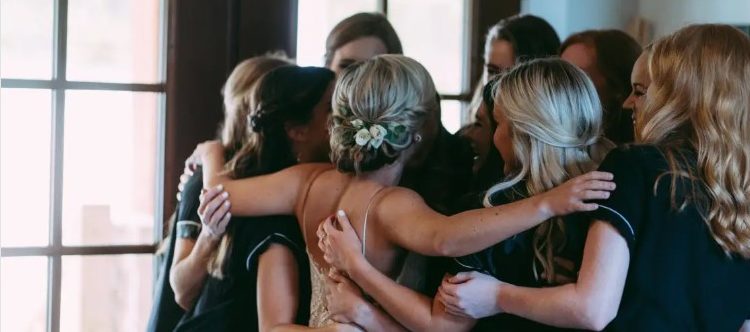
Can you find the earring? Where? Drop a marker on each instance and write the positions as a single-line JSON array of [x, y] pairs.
[[417, 138]]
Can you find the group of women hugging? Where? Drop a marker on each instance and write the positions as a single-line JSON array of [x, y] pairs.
[[601, 186]]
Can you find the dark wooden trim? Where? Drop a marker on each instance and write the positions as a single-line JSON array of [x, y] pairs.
[[485, 14], [206, 39]]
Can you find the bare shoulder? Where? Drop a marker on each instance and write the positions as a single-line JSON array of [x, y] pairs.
[[401, 195], [396, 201], [308, 169]]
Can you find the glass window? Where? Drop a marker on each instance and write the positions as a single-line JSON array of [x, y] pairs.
[[106, 293], [26, 38], [25, 137], [84, 161], [113, 41], [109, 168], [23, 301], [451, 114], [432, 32], [316, 18]]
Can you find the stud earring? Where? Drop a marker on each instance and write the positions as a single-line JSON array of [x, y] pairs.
[[417, 138]]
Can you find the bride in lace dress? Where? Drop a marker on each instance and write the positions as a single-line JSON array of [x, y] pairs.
[[386, 114]]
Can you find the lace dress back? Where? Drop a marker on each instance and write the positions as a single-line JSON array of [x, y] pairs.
[[319, 315]]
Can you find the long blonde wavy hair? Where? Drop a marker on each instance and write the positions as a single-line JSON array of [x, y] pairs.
[[555, 118], [699, 102]]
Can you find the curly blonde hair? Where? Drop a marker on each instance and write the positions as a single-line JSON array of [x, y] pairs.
[[393, 91], [699, 102]]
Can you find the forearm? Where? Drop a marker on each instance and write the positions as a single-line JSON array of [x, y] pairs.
[[413, 310], [213, 170], [373, 319], [189, 273], [269, 194], [475, 230], [590, 303], [296, 328], [556, 306]]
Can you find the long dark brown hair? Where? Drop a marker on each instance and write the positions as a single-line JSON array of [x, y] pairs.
[[285, 96], [237, 92], [616, 53]]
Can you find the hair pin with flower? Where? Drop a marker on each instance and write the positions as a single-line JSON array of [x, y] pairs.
[[372, 136]]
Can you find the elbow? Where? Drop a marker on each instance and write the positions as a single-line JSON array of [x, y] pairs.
[[180, 296], [182, 300], [596, 315], [444, 246]]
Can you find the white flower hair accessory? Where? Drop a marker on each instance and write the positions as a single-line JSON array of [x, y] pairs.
[[372, 136]]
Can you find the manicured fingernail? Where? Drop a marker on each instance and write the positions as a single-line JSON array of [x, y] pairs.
[[220, 187], [226, 203], [225, 194], [341, 213]]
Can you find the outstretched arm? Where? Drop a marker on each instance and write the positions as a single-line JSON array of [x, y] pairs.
[[409, 223], [413, 310], [590, 303], [271, 194]]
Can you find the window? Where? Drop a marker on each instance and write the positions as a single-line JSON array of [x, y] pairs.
[[81, 162], [434, 32]]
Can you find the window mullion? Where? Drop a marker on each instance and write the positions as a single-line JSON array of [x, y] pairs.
[[59, 63], [54, 271], [383, 7]]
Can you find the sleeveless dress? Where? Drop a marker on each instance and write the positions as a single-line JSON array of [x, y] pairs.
[[319, 315]]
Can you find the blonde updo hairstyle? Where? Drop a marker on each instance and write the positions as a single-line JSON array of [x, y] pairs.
[[392, 91], [555, 119], [699, 104]]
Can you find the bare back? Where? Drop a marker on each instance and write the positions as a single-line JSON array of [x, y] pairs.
[[328, 191]]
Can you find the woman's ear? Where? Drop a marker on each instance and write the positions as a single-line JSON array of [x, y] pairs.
[[296, 133]]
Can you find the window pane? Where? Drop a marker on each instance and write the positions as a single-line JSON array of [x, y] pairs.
[[26, 38], [23, 301], [432, 32], [106, 293], [451, 114], [113, 41], [25, 130], [316, 18], [109, 167]]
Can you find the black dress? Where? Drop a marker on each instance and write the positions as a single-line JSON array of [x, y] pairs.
[[165, 312], [229, 304], [443, 179], [679, 279], [512, 261]]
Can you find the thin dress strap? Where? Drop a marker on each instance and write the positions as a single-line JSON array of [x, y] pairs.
[[304, 203], [367, 214]]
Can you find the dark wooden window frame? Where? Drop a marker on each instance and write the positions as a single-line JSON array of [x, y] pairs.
[[58, 85]]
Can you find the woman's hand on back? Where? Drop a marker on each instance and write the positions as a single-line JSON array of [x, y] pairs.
[[214, 212], [470, 294], [571, 196], [340, 245]]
